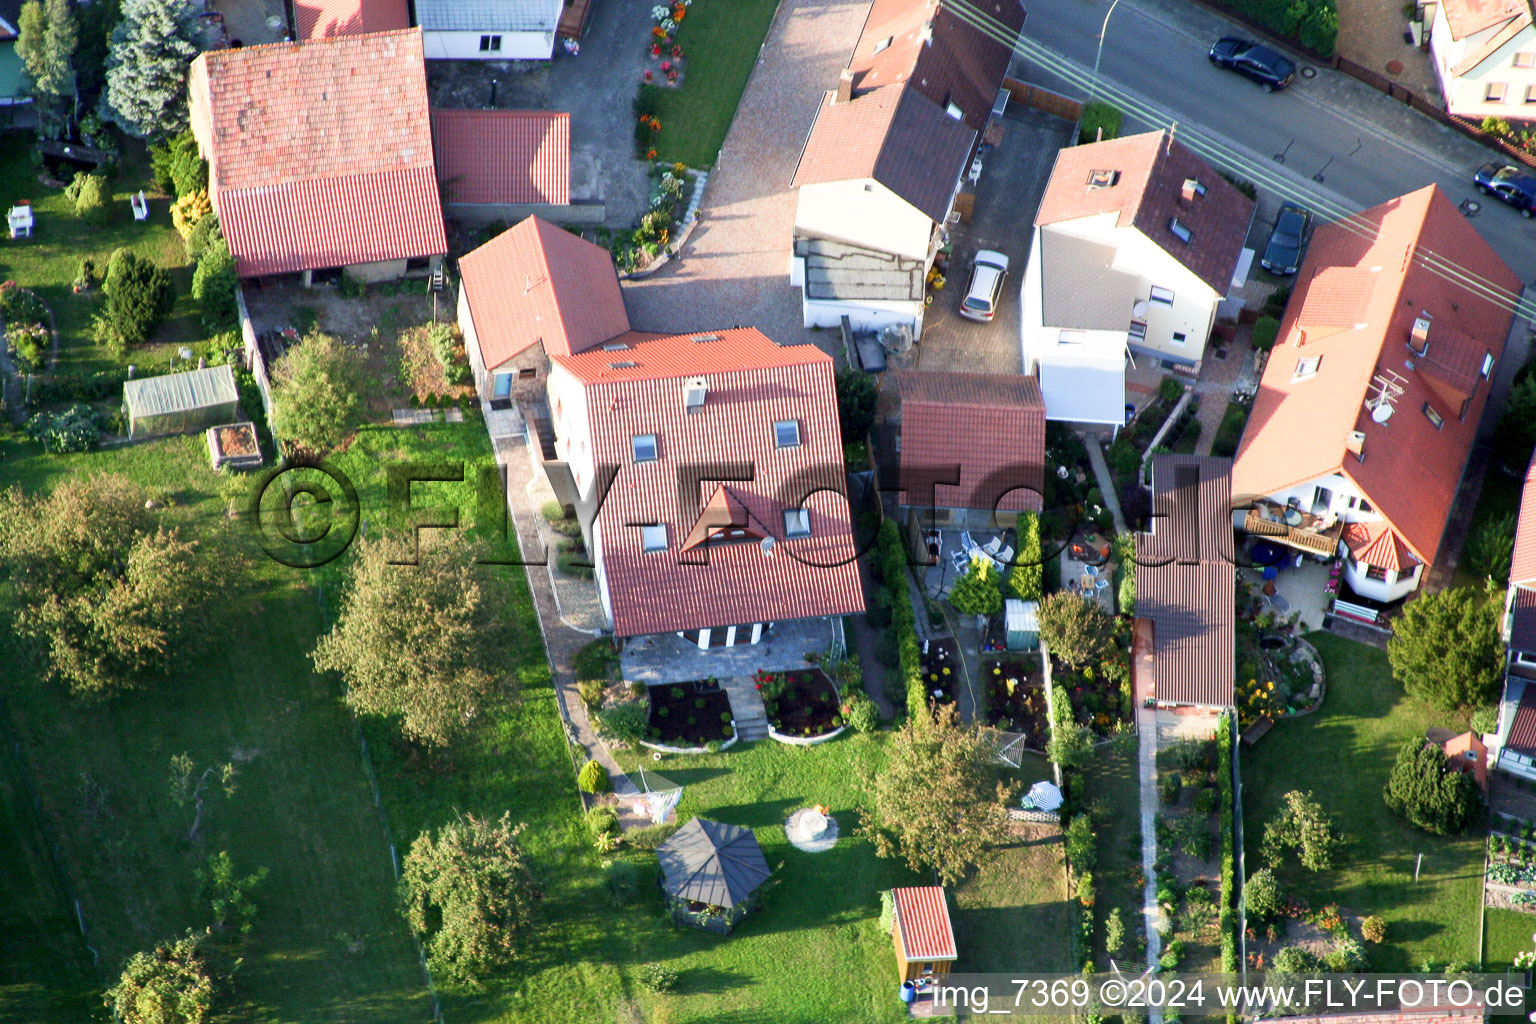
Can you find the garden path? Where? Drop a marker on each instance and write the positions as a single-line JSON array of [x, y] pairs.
[[1106, 481], [746, 707], [1146, 770]]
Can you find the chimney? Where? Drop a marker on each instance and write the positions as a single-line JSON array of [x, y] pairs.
[[1419, 340], [695, 389], [844, 86], [1355, 442], [1171, 130]]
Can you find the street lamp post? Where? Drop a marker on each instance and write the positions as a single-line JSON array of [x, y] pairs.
[[1093, 86]]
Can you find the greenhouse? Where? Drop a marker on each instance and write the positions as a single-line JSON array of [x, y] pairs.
[[179, 402]]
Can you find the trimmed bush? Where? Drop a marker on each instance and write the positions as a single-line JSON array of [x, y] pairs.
[[1265, 330], [592, 691], [188, 210], [1027, 576], [138, 294], [1374, 929], [88, 193], [624, 722], [593, 778], [862, 713], [214, 283], [602, 821], [203, 233], [650, 836]]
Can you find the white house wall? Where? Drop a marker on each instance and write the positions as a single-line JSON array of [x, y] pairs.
[[1194, 303], [1466, 94], [466, 45], [1099, 361], [1343, 490], [865, 213], [573, 440], [863, 314]]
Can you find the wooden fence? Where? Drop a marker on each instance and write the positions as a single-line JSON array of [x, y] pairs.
[[1043, 99]]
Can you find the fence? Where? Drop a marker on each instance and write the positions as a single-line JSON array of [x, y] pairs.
[[1043, 99], [253, 357]]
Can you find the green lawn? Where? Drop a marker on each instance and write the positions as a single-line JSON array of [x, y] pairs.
[[720, 39], [48, 262], [1112, 787], [1505, 933], [1343, 754]]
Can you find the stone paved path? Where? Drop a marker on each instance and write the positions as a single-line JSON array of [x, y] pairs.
[[1106, 481], [746, 707]]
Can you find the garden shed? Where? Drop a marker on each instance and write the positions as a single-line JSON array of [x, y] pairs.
[[921, 931], [710, 873], [178, 402], [1022, 621]]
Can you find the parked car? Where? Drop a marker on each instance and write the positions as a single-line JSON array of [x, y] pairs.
[[985, 290], [1271, 69], [1282, 255], [1513, 185]]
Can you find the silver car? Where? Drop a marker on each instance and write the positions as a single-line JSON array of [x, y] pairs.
[[988, 270]]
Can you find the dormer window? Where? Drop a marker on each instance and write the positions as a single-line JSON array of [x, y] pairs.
[[1306, 367], [1433, 417], [1103, 179], [797, 522], [1161, 296], [644, 447], [1180, 230], [653, 538], [786, 434]]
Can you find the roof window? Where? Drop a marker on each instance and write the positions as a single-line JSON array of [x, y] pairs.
[[645, 448], [797, 522], [1433, 417], [1103, 179], [653, 538], [704, 339], [627, 364], [884, 44], [1180, 230], [1193, 187], [786, 434], [1306, 367], [616, 346]]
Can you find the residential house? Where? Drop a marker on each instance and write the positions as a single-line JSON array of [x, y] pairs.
[[489, 29], [1137, 241], [325, 19], [1520, 641], [1185, 639], [1369, 406], [972, 447], [1515, 751], [320, 156], [885, 159], [502, 164], [922, 933], [1464, 752], [1485, 57], [710, 468], [13, 76]]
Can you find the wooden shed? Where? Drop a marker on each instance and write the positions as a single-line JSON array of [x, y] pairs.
[[921, 932]]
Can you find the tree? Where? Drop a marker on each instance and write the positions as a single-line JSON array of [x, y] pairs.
[[318, 391], [1114, 932], [46, 44], [89, 194], [1261, 895], [471, 894], [1445, 648], [214, 283], [593, 778], [139, 295], [107, 592], [1491, 547], [1077, 631], [1027, 576], [1515, 436], [975, 592], [228, 894], [1303, 828], [171, 984], [147, 63], [938, 802], [422, 641], [1426, 791], [178, 167], [856, 399]]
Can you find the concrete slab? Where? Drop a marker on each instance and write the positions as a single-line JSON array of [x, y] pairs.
[[1300, 590]]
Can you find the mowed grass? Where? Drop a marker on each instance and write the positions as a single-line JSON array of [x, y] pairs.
[[720, 39], [1343, 754], [329, 944], [1113, 786], [49, 261]]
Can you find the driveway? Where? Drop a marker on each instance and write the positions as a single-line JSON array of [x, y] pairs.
[[1013, 178], [734, 268]]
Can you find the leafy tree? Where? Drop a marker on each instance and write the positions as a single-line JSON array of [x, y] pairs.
[[46, 43], [975, 592], [938, 803], [424, 642], [1445, 648], [1077, 631], [97, 21], [139, 295], [1114, 932], [1491, 548], [105, 591], [204, 233], [178, 167], [469, 891], [318, 391], [228, 894], [1027, 576], [214, 283], [1261, 895], [1425, 790], [1302, 827], [1265, 330], [1515, 436], [856, 399], [147, 63], [171, 984]]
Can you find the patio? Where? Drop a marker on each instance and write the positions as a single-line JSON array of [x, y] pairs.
[[953, 550], [668, 658], [1302, 590], [1091, 581]]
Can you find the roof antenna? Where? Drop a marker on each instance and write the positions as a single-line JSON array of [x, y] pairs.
[[1172, 129]]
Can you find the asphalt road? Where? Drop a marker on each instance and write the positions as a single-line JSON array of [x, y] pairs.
[[1329, 141]]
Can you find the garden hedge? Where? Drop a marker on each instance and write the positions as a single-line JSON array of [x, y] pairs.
[[1229, 923], [907, 683]]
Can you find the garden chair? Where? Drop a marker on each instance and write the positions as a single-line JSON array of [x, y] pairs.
[[966, 543], [19, 219], [1004, 556], [961, 560], [993, 546], [140, 206]]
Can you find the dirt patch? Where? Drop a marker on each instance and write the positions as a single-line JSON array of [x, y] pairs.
[[237, 441], [421, 372]]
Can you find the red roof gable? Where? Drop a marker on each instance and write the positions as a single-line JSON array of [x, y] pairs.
[[1302, 422], [503, 156], [320, 154], [1522, 731], [751, 384], [323, 19], [1376, 544], [536, 283], [1522, 566], [943, 415], [922, 920]]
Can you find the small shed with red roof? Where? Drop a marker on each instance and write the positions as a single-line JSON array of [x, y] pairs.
[[922, 933]]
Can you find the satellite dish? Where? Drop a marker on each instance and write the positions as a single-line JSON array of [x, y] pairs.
[[768, 547], [1382, 412], [1140, 309]]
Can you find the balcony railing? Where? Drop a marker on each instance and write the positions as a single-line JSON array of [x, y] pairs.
[[1316, 535]]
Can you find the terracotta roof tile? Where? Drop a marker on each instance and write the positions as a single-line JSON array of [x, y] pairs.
[[1522, 623], [536, 282], [323, 19], [1149, 171], [1522, 731], [289, 126], [992, 426], [922, 917], [1300, 426], [751, 384], [1522, 567], [503, 156], [1375, 543], [1469, 17]]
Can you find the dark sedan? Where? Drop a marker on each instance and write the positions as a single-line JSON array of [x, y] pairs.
[[1511, 184], [1283, 253], [1269, 68]]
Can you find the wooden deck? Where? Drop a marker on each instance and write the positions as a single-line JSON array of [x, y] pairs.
[[574, 18], [1305, 536]]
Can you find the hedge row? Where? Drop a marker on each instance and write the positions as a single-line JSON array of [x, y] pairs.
[[1228, 902], [1027, 577], [907, 682]]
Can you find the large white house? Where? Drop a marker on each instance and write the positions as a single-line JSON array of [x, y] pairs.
[[1136, 243], [489, 29], [1485, 57]]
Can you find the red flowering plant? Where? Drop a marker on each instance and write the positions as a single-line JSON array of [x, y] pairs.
[[677, 53], [655, 49], [666, 65], [648, 75]]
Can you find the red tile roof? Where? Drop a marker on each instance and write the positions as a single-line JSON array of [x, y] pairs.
[[751, 383], [1469, 17], [1522, 566], [1376, 544], [943, 416], [1300, 428], [939, 49], [1185, 583], [1522, 731], [1522, 621], [323, 19], [536, 282], [320, 154], [1149, 171], [503, 156], [1456, 750], [922, 921]]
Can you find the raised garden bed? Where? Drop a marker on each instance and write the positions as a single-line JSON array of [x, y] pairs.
[[1016, 699], [803, 703], [689, 714], [234, 445], [942, 670]]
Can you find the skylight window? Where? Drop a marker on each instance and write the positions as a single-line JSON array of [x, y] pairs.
[[786, 434], [797, 522], [653, 538], [1433, 417], [1180, 230], [1307, 366], [644, 446]]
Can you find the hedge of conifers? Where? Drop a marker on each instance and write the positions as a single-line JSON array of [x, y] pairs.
[[907, 682]]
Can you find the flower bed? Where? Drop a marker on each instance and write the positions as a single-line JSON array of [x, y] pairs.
[[941, 669], [1097, 700], [802, 703], [1016, 699], [234, 445], [689, 714]]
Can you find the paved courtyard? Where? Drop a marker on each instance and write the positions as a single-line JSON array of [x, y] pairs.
[[669, 658]]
